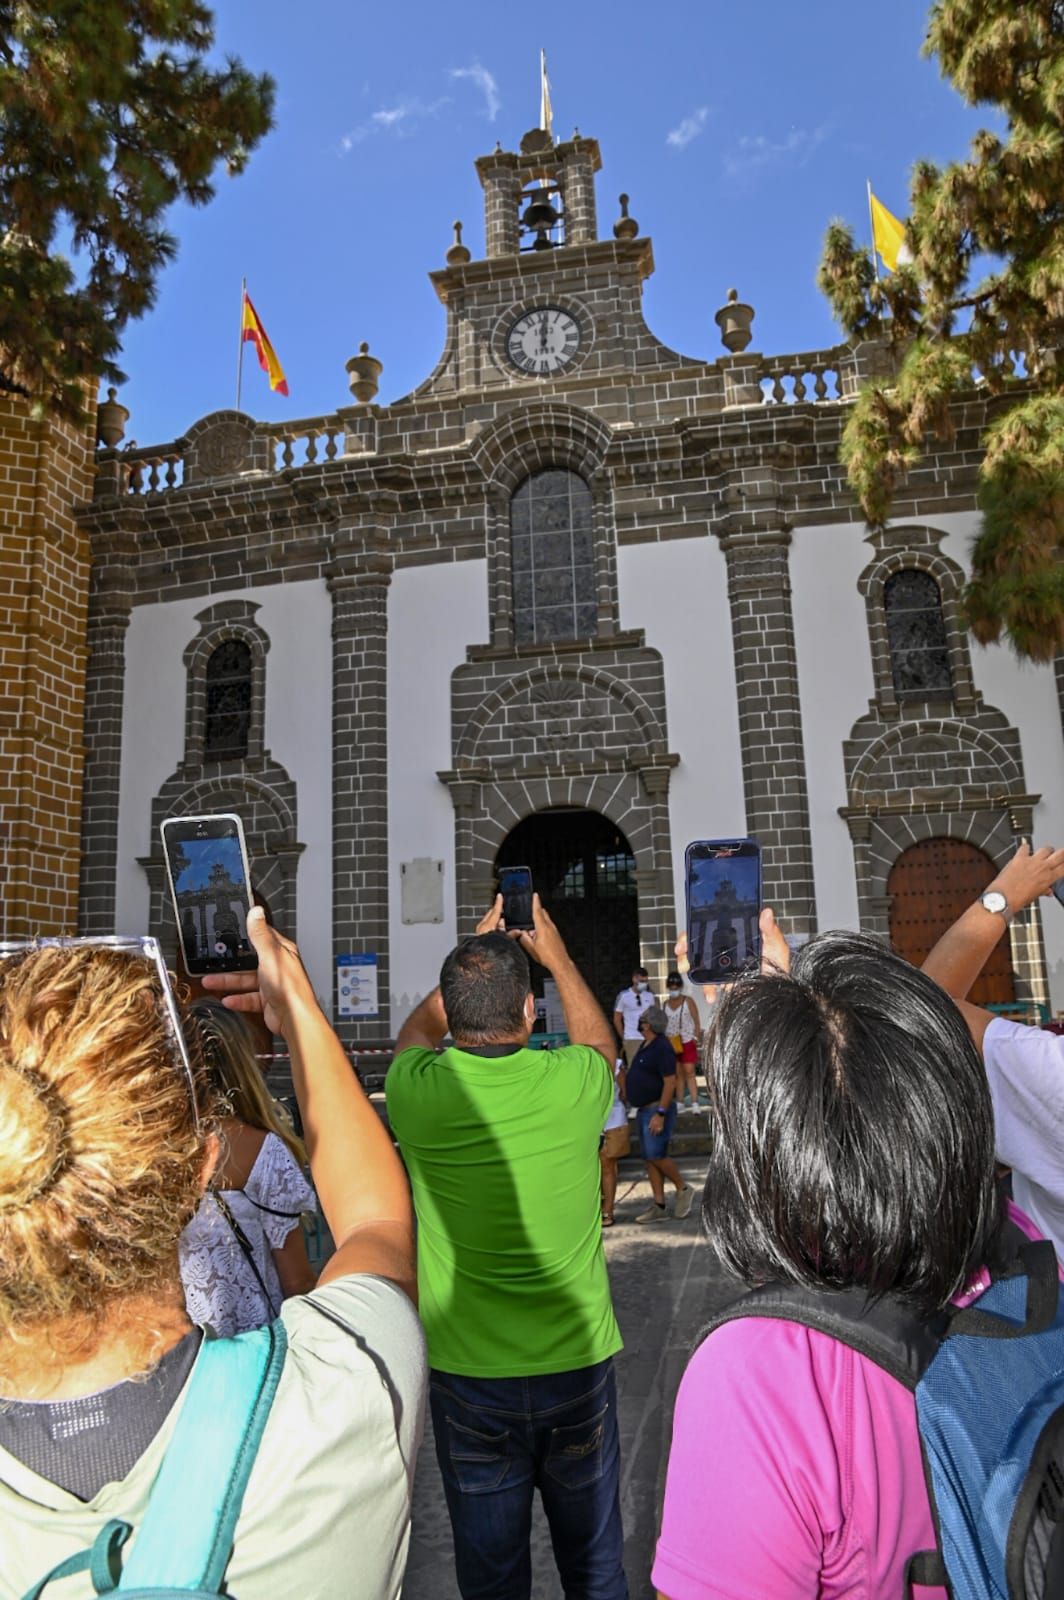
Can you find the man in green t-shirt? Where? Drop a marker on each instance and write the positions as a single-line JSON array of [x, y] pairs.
[[501, 1144]]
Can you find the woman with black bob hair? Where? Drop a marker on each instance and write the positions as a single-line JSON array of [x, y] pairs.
[[854, 1136], [852, 1147]]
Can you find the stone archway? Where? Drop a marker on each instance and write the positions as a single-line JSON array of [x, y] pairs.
[[585, 872]]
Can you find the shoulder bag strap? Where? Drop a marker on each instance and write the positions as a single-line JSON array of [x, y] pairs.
[[245, 1245], [186, 1537]]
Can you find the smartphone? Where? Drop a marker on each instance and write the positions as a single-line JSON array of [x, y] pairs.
[[515, 886], [1058, 890], [207, 865], [723, 878]]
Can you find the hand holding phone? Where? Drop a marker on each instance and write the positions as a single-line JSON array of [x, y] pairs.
[[207, 866], [515, 886], [723, 902]]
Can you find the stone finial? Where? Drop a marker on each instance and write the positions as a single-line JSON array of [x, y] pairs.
[[625, 227], [111, 419], [536, 141], [458, 254], [363, 374], [734, 319]]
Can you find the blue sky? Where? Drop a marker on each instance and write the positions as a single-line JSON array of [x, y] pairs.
[[739, 131]]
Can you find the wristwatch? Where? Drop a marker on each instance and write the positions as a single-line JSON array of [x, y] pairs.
[[660, 1112], [994, 902]]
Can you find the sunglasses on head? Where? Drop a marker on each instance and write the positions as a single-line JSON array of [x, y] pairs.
[[143, 949]]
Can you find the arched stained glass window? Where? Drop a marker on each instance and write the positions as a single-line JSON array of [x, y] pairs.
[[228, 682], [552, 558], [916, 630]]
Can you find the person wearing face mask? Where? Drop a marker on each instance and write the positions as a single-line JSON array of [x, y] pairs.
[[684, 1034], [628, 1010]]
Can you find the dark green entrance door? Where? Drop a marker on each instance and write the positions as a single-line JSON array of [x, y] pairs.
[[584, 871]]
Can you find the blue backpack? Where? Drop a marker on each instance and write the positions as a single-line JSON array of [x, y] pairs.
[[989, 1386], [185, 1538]]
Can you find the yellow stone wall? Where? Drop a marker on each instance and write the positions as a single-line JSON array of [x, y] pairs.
[[46, 468]]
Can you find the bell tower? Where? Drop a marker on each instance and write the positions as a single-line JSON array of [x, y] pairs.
[[541, 197], [550, 304]]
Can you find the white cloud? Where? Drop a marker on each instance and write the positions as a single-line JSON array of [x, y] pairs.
[[402, 119], [680, 136], [485, 82], [753, 152]]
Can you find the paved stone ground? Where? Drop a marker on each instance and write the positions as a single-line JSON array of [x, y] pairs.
[[664, 1290]]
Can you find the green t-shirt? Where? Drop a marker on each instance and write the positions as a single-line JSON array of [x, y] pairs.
[[502, 1153]]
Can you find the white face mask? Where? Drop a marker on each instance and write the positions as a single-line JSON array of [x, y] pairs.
[[638, 985]]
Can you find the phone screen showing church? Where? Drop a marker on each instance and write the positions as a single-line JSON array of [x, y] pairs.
[[206, 860], [723, 905]]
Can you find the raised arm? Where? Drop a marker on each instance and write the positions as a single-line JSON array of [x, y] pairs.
[[359, 1178], [964, 949], [585, 1020]]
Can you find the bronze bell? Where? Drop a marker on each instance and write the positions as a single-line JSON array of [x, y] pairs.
[[540, 216]]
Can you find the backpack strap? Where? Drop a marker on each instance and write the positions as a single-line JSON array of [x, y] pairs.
[[1037, 1259], [102, 1561], [186, 1536], [888, 1332]]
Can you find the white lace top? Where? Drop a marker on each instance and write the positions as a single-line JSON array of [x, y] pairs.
[[221, 1289], [679, 1022]]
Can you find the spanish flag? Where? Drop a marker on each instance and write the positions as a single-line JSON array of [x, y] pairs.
[[251, 328], [888, 234]]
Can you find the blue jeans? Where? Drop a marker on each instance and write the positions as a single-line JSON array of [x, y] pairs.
[[655, 1146], [497, 1440]]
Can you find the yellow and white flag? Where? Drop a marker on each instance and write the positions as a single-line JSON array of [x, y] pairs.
[[546, 115], [888, 234]]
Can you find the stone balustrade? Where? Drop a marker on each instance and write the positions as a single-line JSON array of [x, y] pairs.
[[749, 379], [302, 443], [815, 375]]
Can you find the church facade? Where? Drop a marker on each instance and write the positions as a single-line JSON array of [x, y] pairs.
[[575, 601]]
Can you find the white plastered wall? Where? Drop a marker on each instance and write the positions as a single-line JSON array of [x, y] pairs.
[[434, 612], [297, 619], [677, 591]]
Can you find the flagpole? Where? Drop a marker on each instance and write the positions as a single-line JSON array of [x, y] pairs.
[[240, 348], [872, 225]]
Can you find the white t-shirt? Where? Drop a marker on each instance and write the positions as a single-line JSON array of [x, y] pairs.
[[327, 1508], [631, 1006], [618, 1117], [1025, 1070]]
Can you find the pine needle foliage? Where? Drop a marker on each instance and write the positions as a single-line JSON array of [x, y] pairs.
[[110, 111], [946, 331]]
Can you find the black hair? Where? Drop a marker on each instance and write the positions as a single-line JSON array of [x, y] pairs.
[[484, 984], [854, 1137], [674, 977], [640, 972]]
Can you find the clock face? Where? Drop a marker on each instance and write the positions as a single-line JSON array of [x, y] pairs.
[[543, 341]]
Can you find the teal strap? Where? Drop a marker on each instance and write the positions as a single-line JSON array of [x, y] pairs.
[[186, 1537], [103, 1561]]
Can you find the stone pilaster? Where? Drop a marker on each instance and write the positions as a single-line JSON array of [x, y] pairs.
[[359, 589], [770, 720], [502, 194], [578, 187], [110, 604]]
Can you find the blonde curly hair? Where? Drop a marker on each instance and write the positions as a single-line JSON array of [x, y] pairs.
[[102, 1157]]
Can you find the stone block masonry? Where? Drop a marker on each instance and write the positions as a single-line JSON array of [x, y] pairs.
[[46, 468]]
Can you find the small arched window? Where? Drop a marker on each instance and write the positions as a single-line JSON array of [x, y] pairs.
[[552, 556], [916, 631], [228, 682]]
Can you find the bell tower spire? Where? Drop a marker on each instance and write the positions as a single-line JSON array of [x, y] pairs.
[[541, 197]]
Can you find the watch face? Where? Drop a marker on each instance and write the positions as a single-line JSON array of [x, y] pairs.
[[543, 341]]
